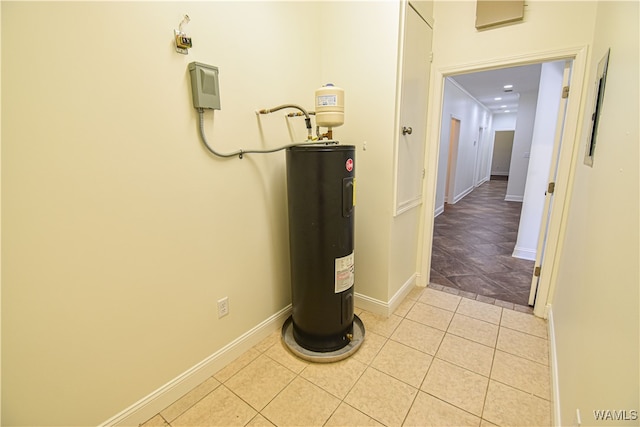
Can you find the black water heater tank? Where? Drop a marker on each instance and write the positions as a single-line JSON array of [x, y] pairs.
[[320, 191]]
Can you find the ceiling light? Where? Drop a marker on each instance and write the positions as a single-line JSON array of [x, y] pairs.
[[497, 99], [503, 106], [507, 111], [508, 86]]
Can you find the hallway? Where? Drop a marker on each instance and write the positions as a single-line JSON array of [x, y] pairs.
[[472, 245]]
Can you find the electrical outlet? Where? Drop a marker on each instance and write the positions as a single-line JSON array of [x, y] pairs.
[[223, 307]]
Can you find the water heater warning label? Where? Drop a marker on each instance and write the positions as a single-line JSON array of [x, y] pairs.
[[327, 100], [345, 276]]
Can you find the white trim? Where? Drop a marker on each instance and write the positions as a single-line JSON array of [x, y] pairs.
[[402, 293], [408, 205], [156, 401], [524, 253], [371, 305], [509, 198], [553, 365], [439, 210], [482, 181], [463, 90], [382, 308], [462, 195]]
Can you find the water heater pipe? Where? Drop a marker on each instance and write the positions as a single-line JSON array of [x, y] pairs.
[[307, 119], [240, 153]]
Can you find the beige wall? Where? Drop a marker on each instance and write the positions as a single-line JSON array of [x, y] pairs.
[[595, 308], [359, 51], [120, 232]]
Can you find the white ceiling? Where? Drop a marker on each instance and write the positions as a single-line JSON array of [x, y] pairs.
[[485, 86]]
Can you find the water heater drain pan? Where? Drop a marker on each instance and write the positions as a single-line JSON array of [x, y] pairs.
[[323, 357]]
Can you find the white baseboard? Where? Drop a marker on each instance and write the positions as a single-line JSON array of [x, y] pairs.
[[402, 293], [371, 305], [524, 253], [553, 365], [482, 181], [462, 195], [512, 198], [439, 210], [155, 402], [158, 400], [382, 308]]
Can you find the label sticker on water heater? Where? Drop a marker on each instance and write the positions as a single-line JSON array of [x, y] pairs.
[[345, 276], [327, 100]]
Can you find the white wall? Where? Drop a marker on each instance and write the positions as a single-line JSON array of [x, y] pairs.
[[596, 303], [542, 142], [120, 231], [483, 172], [472, 115], [521, 146], [504, 121]]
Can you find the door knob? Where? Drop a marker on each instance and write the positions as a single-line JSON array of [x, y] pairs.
[[406, 130]]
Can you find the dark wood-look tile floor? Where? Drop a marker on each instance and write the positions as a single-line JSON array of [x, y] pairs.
[[472, 245]]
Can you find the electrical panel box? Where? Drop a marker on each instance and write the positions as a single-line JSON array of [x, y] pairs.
[[204, 86]]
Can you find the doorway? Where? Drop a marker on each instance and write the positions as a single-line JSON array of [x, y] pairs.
[[467, 242], [502, 150]]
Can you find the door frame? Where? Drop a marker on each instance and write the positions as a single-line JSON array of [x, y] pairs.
[[549, 195], [569, 152]]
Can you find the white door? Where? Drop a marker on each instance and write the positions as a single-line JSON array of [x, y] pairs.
[[416, 66], [548, 200]]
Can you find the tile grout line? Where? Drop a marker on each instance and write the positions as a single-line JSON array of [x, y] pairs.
[[373, 357], [493, 359]]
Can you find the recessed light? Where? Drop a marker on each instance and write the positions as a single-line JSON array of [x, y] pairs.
[[507, 111], [503, 106], [508, 86], [497, 99]]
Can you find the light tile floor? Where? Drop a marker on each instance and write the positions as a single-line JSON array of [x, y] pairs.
[[439, 360]]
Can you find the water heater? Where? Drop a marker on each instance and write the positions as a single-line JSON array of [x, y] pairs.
[[321, 205]]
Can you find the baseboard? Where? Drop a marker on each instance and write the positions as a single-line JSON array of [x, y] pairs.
[[462, 195], [553, 365], [155, 402], [402, 293], [482, 181], [439, 210], [371, 305], [382, 308], [524, 253], [512, 198]]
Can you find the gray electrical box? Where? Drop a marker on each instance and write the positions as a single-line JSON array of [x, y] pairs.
[[204, 86]]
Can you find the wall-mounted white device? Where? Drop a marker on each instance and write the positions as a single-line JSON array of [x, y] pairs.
[[204, 86]]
